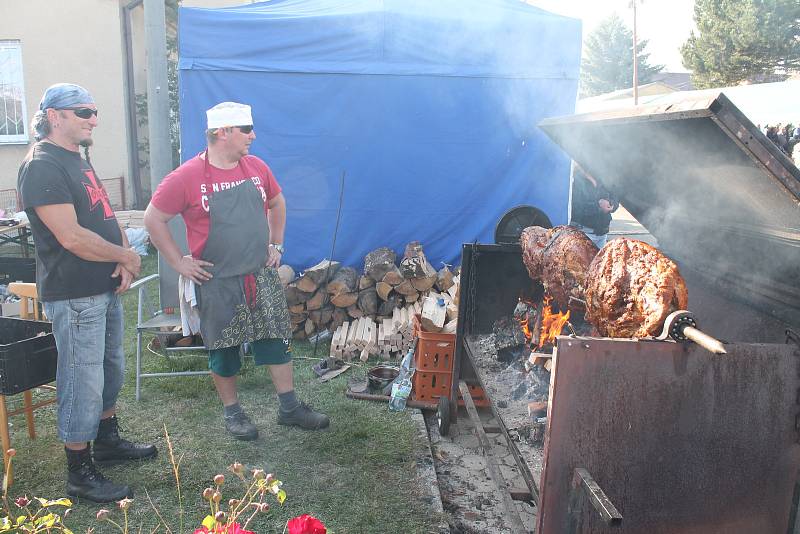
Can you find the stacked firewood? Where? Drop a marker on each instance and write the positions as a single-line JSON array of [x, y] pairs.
[[369, 312]]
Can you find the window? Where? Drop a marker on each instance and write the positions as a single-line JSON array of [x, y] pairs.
[[12, 94]]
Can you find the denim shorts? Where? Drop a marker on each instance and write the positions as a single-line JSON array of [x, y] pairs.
[[91, 362], [227, 362]]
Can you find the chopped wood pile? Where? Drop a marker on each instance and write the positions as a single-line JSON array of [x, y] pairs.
[[371, 313]]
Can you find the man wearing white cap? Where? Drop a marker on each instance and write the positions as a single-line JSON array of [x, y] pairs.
[[235, 216], [83, 263]]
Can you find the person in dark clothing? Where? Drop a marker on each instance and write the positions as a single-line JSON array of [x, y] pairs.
[[592, 206], [83, 263]]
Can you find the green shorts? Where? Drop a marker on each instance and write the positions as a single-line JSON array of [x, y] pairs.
[[228, 361]]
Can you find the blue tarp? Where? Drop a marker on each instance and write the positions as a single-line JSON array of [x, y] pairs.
[[428, 108]]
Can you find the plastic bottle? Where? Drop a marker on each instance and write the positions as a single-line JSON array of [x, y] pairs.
[[401, 388]]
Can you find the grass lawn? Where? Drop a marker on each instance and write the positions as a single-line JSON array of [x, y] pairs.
[[357, 477]]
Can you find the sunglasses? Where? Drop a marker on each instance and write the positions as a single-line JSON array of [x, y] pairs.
[[83, 113], [245, 129]]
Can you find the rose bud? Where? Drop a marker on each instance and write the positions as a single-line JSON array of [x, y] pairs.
[[216, 497], [11, 453], [219, 517], [219, 480], [233, 503], [124, 504], [270, 478], [102, 514], [208, 493], [237, 468], [22, 502], [259, 474]]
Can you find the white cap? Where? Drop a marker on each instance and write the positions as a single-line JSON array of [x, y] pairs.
[[229, 114]]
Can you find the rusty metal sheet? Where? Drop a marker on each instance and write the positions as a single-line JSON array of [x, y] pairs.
[[682, 441]]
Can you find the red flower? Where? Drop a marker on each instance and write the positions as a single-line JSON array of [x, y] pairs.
[[306, 524], [201, 530]]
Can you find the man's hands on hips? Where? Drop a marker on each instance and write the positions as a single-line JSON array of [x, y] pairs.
[[193, 269], [273, 257]]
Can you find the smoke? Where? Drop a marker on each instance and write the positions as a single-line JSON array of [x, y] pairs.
[[712, 206]]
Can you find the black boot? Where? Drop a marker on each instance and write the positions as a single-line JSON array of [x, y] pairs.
[[110, 448], [86, 482]]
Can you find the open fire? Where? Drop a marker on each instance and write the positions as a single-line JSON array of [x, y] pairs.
[[542, 324]]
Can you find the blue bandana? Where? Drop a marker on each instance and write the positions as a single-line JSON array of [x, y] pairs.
[[65, 95]]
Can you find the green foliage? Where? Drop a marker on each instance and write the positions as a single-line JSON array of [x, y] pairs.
[[607, 63], [742, 40]]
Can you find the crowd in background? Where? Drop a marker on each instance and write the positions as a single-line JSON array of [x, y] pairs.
[[786, 137]]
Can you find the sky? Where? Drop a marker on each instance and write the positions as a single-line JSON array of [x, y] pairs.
[[665, 23]]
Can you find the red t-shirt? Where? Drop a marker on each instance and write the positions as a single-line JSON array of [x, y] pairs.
[[185, 191]]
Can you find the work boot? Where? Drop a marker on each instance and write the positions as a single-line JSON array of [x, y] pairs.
[[304, 417], [110, 448], [86, 482], [240, 427]]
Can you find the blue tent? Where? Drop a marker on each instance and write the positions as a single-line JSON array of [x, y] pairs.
[[429, 109]]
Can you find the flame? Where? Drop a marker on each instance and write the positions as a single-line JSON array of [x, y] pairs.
[[525, 328], [552, 323]]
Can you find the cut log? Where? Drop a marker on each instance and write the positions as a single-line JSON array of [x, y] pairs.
[[414, 263], [339, 317], [405, 288], [319, 299], [412, 298], [322, 272], [424, 283], [378, 262], [298, 318], [450, 328], [368, 301], [344, 281], [386, 307], [383, 289], [393, 276], [344, 300], [444, 278], [432, 316], [309, 327], [365, 281], [286, 274], [354, 311], [297, 308], [294, 295], [322, 316]]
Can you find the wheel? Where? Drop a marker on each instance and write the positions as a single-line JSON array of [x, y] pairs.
[[443, 415], [515, 220]]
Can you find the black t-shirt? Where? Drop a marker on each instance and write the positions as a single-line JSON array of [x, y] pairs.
[[54, 175]]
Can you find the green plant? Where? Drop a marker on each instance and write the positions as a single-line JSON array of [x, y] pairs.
[[26, 518], [219, 520]]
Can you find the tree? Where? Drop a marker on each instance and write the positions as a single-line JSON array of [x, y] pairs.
[[739, 40], [607, 63]]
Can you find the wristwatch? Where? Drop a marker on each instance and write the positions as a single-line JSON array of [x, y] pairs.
[[277, 246]]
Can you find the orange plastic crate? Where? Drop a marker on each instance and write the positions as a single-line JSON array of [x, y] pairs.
[[433, 360]]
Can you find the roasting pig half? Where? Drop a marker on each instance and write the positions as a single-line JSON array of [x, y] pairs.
[[560, 258], [631, 288]]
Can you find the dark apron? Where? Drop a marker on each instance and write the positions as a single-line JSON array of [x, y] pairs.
[[244, 301]]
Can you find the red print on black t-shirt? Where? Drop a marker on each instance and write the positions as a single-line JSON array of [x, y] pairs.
[[97, 195]]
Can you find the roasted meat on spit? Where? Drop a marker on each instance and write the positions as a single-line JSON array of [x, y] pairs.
[[631, 288], [560, 258]]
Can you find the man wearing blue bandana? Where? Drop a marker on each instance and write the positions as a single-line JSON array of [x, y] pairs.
[[83, 263]]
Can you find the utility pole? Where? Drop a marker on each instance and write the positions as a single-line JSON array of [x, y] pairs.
[[155, 32], [635, 59]]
